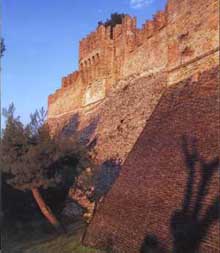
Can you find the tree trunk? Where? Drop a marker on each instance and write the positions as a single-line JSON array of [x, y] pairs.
[[46, 211]]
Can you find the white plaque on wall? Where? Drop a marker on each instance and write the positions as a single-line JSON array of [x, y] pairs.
[[95, 92]]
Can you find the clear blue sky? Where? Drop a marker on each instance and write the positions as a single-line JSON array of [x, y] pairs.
[[42, 37]]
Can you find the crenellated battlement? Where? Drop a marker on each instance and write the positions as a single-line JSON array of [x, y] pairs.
[[120, 102], [93, 41], [176, 41], [101, 39], [108, 46], [70, 79], [123, 84]]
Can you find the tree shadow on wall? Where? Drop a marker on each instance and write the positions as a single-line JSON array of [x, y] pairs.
[[84, 139], [71, 127], [151, 245], [85, 135], [108, 171], [102, 182], [106, 174], [105, 178], [188, 227]]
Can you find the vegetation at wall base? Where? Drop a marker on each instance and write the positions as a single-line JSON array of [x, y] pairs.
[[33, 161]]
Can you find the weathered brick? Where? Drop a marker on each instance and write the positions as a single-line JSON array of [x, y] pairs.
[[117, 91], [152, 182]]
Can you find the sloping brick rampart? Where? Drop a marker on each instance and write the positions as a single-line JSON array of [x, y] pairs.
[[114, 95], [150, 190]]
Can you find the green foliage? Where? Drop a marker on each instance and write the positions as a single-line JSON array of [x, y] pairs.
[[64, 244], [115, 19], [2, 47], [37, 238], [32, 158]]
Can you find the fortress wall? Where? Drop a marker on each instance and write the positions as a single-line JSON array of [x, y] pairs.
[[119, 52], [118, 85], [192, 35], [65, 100], [70, 79], [134, 49], [148, 197], [120, 117], [95, 55], [92, 41], [150, 57], [123, 115], [181, 41]]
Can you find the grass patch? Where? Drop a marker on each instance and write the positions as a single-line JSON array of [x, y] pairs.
[[62, 244], [39, 238]]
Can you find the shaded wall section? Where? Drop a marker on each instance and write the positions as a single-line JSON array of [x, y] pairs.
[[122, 116], [168, 187]]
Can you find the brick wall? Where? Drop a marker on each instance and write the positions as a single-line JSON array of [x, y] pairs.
[[112, 97], [121, 116], [193, 38], [181, 40], [152, 182]]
